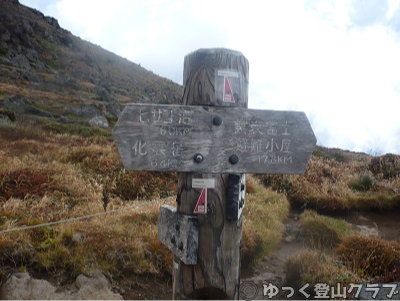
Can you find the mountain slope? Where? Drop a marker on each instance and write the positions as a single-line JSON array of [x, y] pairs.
[[63, 75]]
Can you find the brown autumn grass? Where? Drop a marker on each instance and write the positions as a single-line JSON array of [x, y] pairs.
[[337, 253], [335, 184], [47, 176]]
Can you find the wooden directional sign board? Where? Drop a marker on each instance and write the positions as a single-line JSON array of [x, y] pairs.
[[213, 139]]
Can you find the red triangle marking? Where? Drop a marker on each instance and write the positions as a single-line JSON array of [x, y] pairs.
[[228, 94], [201, 206]]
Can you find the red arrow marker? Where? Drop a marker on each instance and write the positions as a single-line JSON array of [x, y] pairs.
[[201, 206], [228, 94]]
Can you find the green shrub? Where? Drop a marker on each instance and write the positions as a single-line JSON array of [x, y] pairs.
[[323, 231], [364, 183], [10, 114]]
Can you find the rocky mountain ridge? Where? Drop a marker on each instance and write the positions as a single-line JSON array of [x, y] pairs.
[[46, 67]]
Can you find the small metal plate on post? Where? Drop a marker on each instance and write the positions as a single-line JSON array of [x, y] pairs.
[[203, 183], [236, 196], [179, 233], [229, 87]]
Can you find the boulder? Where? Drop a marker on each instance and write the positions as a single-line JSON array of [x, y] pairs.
[[21, 286], [5, 36], [113, 109], [15, 103], [66, 41], [87, 111], [105, 94], [26, 26], [38, 112], [94, 287], [100, 121], [21, 61], [31, 55], [52, 21]]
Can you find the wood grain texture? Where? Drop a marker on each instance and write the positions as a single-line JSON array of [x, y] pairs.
[[217, 272]]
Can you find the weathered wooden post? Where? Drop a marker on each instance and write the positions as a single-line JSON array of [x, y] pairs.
[[212, 139], [220, 78]]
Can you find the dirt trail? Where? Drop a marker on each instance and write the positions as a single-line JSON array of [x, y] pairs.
[[272, 269]]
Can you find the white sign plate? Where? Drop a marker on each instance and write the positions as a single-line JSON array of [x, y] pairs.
[[203, 183]]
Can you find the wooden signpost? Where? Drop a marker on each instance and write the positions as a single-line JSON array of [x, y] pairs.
[[212, 139]]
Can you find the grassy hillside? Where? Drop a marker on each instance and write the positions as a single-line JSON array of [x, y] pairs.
[[64, 77]]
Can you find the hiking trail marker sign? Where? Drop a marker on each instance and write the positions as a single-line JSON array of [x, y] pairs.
[[212, 140]]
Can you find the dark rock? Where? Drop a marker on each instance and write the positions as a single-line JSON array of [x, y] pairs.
[[52, 21], [26, 26], [26, 40], [31, 55], [38, 112], [21, 61], [45, 33], [71, 84], [18, 29], [15, 103], [64, 119], [114, 109], [15, 39], [87, 111], [105, 94], [66, 41], [6, 36], [14, 74], [51, 39], [90, 62], [32, 77]]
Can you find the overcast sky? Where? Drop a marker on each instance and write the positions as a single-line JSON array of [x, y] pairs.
[[338, 61]]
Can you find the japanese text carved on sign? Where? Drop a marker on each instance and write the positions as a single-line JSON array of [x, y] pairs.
[[213, 139]]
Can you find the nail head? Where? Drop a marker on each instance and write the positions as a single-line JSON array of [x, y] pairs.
[[198, 158], [233, 159], [217, 120]]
